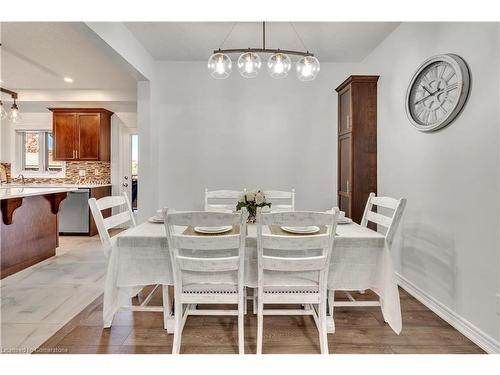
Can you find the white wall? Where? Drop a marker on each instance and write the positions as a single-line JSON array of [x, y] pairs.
[[253, 133], [450, 234]]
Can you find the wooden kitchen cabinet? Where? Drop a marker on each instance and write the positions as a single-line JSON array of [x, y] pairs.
[[81, 134], [357, 143]]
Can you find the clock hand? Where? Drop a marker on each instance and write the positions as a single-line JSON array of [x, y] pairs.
[[428, 96], [423, 99], [425, 88]]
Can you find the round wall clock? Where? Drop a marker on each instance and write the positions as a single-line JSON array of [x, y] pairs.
[[437, 92]]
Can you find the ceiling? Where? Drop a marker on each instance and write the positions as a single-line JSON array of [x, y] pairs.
[[38, 55], [194, 41]]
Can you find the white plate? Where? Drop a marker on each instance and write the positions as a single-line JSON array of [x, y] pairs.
[[301, 230], [344, 220], [220, 229], [220, 210], [156, 220]]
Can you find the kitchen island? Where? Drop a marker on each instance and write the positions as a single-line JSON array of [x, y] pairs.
[[28, 226]]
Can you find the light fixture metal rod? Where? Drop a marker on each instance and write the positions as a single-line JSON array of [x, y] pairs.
[[263, 50], [11, 93], [263, 35]]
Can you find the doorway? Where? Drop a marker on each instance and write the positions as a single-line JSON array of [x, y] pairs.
[[134, 165]]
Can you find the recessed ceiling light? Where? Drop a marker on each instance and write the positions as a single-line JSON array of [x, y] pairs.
[[68, 79]]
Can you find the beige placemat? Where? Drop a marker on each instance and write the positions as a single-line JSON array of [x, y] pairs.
[[189, 231], [276, 230]]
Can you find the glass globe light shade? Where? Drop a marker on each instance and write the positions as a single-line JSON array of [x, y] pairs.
[[219, 66], [14, 115], [3, 112], [279, 65], [249, 64], [307, 68]]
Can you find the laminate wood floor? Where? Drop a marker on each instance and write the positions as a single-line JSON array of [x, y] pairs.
[[358, 330]]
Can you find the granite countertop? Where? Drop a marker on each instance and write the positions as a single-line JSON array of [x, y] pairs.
[[21, 192], [52, 186]]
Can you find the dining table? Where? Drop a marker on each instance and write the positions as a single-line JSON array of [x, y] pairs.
[[361, 260]]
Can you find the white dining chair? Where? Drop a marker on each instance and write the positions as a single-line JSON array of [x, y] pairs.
[[103, 225], [126, 216], [387, 219], [207, 269], [221, 200], [281, 201], [293, 269]]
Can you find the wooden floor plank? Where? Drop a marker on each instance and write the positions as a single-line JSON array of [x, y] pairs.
[[358, 331]]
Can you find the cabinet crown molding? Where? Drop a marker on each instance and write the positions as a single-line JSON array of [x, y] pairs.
[[357, 79], [81, 110]]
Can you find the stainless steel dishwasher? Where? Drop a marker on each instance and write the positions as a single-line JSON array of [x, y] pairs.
[[74, 212]]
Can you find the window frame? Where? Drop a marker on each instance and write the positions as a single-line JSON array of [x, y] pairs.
[[43, 157]]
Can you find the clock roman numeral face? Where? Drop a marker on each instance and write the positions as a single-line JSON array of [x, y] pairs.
[[434, 94]]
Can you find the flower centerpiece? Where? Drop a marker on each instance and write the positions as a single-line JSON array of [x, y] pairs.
[[251, 200]]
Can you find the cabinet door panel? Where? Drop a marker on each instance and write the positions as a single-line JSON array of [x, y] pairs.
[[345, 145], [88, 135], [65, 134], [345, 119]]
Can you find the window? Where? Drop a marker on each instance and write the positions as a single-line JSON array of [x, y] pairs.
[[37, 152]]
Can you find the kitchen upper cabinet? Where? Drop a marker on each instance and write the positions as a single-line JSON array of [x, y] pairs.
[[357, 143], [82, 134], [64, 125]]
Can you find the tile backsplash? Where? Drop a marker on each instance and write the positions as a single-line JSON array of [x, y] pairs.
[[93, 172]]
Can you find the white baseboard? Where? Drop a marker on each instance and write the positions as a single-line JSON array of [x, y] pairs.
[[481, 339]]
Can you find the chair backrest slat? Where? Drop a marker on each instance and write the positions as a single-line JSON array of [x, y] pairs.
[[386, 202], [118, 219], [203, 218], [208, 264], [297, 218], [281, 200], [272, 263], [104, 224], [389, 221], [303, 242], [110, 202], [220, 200], [379, 219], [206, 242]]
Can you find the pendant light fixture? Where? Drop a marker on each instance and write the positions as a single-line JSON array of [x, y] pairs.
[[219, 66], [307, 68], [279, 65], [3, 112], [249, 62], [13, 115]]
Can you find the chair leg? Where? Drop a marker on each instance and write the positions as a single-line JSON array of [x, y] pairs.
[[323, 338], [167, 311], [241, 323], [255, 300], [176, 346], [260, 323], [245, 301], [331, 300]]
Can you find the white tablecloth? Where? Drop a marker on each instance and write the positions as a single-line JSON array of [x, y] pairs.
[[361, 260]]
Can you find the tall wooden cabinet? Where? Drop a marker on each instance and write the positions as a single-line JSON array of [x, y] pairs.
[[357, 143], [81, 134]]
